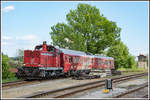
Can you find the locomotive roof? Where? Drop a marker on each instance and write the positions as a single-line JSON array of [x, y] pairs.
[[80, 53], [73, 52], [99, 56]]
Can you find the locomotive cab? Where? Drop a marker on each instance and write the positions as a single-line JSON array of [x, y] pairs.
[[43, 61]]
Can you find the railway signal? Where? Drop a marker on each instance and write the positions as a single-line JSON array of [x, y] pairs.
[[108, 85]]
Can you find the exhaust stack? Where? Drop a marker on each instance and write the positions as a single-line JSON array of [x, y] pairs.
[[44, 47]]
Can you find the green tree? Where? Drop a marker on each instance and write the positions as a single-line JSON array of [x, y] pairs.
[[5, 67], [86, 30], [19, 57], [132, 62], [20, 54], [120, 54]]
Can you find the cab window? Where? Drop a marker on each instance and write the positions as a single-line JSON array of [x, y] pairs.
[[51, 49]]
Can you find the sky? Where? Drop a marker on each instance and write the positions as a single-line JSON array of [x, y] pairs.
[[26, 24]]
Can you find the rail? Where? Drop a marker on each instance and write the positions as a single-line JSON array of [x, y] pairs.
[[22, 83], [64, 92], [132, 91]]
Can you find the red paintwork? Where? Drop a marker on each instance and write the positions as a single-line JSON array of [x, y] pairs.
[[45, 58]]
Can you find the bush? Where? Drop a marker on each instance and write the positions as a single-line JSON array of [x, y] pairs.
[[5, 67], [134, 69], [121, 56]]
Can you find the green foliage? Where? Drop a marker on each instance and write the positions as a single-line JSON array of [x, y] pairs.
[[5, 67], [120, 54], [147, 56], [131, 62], [136, 69], [13, 63], [10, 79], [86, 30]]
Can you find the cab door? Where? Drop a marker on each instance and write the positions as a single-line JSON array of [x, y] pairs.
[[51, 58], [58, 60], [66, 63]]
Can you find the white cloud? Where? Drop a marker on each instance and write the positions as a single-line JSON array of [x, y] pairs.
[[4, 43], [136, 52], [6, 38], [10, 44], [27, 37], [27, 41], [8, 8]]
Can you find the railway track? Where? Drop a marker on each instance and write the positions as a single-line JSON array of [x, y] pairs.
[[145, 96], [68, 91], [17, 83], [132, 92], [22, 83]]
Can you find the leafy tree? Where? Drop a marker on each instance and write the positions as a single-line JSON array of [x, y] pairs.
[[20, 54], [19, 57], [120, 54], [131, 62], [13, 63], [5, 67], [86, 30]]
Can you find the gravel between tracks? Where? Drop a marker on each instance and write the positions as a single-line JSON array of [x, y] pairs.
[[118, 88], [43, 86], [52, 84], [137, 94]]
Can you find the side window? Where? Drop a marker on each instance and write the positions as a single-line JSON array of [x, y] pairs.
[[75, 59], [93, 61], [110, 62], [70, 59], [106, 62], [100, 62], [66, 58], [81, 60]]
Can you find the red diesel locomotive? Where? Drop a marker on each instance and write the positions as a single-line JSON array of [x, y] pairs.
[[46, 61]]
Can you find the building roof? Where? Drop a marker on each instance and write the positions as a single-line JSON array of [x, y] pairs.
[[141, 55]]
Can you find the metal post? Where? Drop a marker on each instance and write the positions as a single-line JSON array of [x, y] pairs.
[[108, 83]]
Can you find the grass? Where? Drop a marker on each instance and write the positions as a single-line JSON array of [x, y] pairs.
[[133, 69], [132, 85], [10, 79]]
